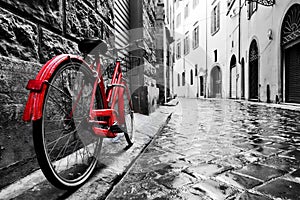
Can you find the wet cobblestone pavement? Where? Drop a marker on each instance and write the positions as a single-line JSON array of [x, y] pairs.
[[219, 149], [110, 170]]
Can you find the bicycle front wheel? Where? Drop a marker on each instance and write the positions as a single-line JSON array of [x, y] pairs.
[[129, 118], [65, 145]]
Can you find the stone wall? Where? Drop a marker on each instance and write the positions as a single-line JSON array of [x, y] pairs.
[[31, 32], [143, 83]]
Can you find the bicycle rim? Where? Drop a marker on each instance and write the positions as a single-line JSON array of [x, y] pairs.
[[66, 147]]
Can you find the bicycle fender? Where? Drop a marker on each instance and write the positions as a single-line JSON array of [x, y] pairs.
[[34, 106]]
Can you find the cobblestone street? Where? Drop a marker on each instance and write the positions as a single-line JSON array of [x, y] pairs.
[[219, 149]]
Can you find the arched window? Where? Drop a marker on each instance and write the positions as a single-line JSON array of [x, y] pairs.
[[183, 79], [178, 79], [192, 77]]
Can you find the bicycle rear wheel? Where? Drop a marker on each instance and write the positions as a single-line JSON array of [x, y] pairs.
[[65, 145]]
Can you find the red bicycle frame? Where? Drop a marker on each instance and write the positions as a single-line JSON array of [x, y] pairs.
[[114, 95]]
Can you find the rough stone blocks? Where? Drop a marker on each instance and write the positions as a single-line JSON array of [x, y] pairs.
[[46, 11], [53, 44], [14, 75], [18, 37], [83, 21]]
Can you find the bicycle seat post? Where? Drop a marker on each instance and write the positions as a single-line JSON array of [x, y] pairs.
[[118, 59], [97, 59]]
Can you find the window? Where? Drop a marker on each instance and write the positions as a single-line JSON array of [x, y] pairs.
[[216, 55], [186, 11], [196, 37], [215, 19], [201, 86], [183, 79], [178, 50], [173, 53], [195, 3], [252, 7], [186, 45], [196, 70], [192, 77], [178, 79], [178, 20]]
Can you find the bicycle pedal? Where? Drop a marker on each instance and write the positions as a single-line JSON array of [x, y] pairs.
[[115, 129]]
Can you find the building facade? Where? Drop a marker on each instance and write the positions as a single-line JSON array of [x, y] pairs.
[[189, 48], [247, 50], [267, 60], [164, 60], [217, 29]]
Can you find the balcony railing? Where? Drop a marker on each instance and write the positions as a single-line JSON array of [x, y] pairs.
[[264, 2]]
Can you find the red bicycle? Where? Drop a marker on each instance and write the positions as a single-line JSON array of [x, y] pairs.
[[72, 111]]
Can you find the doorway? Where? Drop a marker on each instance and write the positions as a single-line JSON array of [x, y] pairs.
[[216, 82], [233, 78], [253, 71]]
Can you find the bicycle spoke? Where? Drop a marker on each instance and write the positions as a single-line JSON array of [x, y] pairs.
[[65, 152], [62, 149], [66, 95], [56, 142], [59, 106], [75, 149], [59, 120], [64, 136]]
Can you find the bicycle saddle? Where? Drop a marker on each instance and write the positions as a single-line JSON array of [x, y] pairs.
[[92, 46]]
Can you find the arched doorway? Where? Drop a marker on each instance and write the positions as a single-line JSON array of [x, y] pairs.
[[290, 41], [233, 77], [253, 71], [216, 82], [243, 78]]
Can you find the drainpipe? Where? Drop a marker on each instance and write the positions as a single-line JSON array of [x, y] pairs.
[[239, 46], [205, 84], [165, 61], [240, 9]]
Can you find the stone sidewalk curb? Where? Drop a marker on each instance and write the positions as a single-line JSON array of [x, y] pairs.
[[284, 106], [35, 186]]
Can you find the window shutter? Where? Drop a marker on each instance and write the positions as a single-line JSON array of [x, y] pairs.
[[191, 78], [197, 36], [248, 10], [193, 39], [218, 16], [212, 22]]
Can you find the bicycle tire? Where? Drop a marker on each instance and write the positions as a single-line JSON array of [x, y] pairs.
[[127, 128], [65, 146], [129, 119]]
